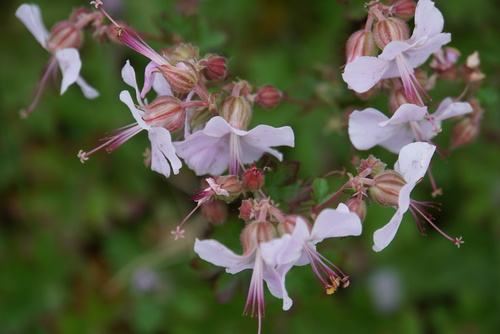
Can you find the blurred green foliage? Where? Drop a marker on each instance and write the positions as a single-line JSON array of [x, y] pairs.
[[87, 248]]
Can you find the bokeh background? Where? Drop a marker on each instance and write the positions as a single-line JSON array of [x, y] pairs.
[[86, 248]]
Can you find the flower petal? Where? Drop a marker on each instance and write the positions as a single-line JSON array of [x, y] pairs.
[[128, 76], [428, 20], [216, 253], [31, 17], [258, 141], [332, 223], [88, 91], [162, 150], [127, 99], [448, 109], [420, 53], [383, 237], [413, 161], [364, 73], [364, 129], [70, 65]]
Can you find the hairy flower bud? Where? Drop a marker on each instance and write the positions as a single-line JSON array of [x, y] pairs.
[[182, 52], [358, 206], [386, 188], [214, 211], [390, 29], [215, 67], [237, 111], [253, 179], [288, 225], [231, 184], [182, 77], [371, 165], [404, 9], [247, 210], [165, 111], [268, 97], [359, 44], [256, 232], [64, 35]]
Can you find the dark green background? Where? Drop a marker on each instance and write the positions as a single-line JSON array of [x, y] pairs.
[[73, 236]]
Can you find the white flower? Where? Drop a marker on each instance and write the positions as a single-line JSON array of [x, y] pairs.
[[370, 127], [219, 145]]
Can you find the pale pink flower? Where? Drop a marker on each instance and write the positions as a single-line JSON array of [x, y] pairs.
[[399, 58], [370, 127], [219, 145], [163, 157], [413, 162], [68, 59], [269, 261]]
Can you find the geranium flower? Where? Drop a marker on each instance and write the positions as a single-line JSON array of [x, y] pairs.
[[163, 157], [370, 127], [67, 58], [413, 162], [268, 259], [219, 145], [399, 58]]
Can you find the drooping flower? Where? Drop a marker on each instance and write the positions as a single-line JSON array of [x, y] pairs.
[[163, 157], [64, 52], [399, 58], [267, 255], [370, 127], [330, 223], [413, 162], [219, 145]]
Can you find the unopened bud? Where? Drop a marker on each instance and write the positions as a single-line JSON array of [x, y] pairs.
[[386, 188], [288, 225], [389, 30], [404, 9], [64, 35], [358, 206], [237, 111], [247, 210], [359, 44], [182, 77], [215, 67], [467, 130], [231, 184], [214, 211], [165, 111], [397, 98], [268, 97], [182, 52], [78, 13], [256, 232], [371, 166], [253, 179]]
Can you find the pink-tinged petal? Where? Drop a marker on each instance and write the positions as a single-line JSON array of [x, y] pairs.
[[413, 161], [404, 197], [70, 65], [31, 17], [420, 53], [127, 99], [216, 253], [364, 73], [364, 129], [204, 154], [406, 113], [447, 109], [219, 127], [258, 141], [393, 49], [160, 85], [163, 150], [428, 20], [383, 237], [128, 76], [332, 223], [399, 139], [276, 284], [149, 77], [88, 91]]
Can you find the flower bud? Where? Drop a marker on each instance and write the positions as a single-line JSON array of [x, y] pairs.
[[268, 97], [64, 35], [386, 188], [256, 232], [288, 225], [404, 9], [397, 97], [78, 13], [359, 44], [214, 211], [165, 111], [372, 165], [247, 210], [464, 133], [182, 77], [231, 184], [358, 206], [237, 111], [253, 179], [390, 29], [215, 67], [182, 52]]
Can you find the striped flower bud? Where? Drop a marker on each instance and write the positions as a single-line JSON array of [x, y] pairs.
[[386, 188], [359, 44], [165, 111], [237, 111], [256, 232], [64, 35], [390, 29], [182, 77], [404, 9]]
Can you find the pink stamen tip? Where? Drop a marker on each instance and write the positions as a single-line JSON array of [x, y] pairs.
[[178, 233], [458, 242], [96, 3], [82, 156]]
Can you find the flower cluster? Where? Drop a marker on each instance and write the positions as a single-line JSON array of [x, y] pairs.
[[194, 115]]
